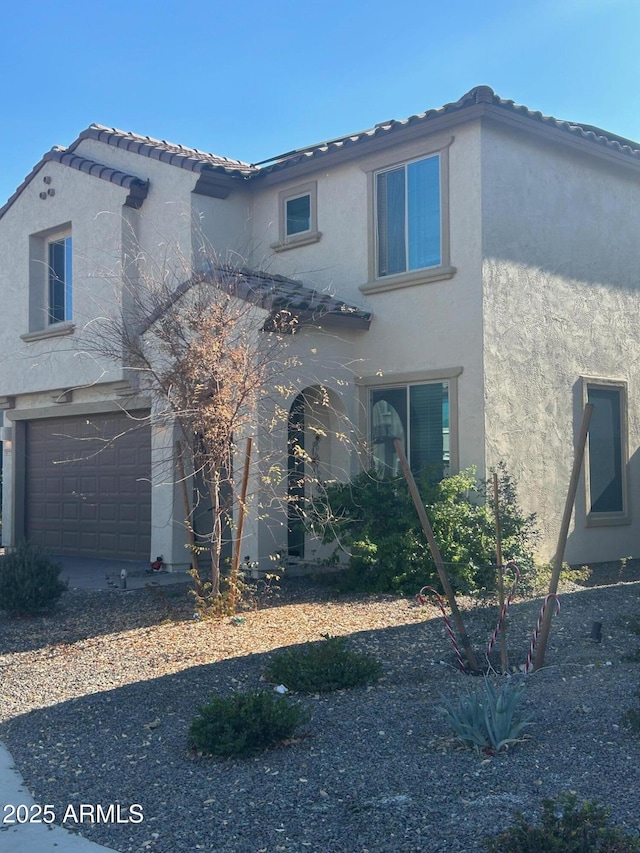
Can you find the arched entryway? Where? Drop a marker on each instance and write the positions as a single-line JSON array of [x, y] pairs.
[[317, 453], [296, 477]]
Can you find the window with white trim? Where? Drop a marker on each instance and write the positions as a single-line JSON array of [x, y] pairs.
[[408, 214], [59, 280], [418, 415], [607, 453]]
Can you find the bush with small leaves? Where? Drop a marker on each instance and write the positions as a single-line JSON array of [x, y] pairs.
[[29, 580], [322, 667], [565, 828], [244, 723], [489, 722], [373, 517]]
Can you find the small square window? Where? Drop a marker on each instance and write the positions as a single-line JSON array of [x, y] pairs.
[[297, 217]]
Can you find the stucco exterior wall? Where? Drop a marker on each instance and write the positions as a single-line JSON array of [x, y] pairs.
[[420, 328], [79, 206], [561, 291], [163, 226], [222, 228]]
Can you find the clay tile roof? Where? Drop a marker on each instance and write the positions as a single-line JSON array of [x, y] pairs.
[[137, 187], [482, 100], [278, 293], [274, 293], [167, 152], [482, 96]]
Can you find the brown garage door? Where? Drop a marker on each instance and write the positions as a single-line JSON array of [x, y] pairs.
[[88, 488]]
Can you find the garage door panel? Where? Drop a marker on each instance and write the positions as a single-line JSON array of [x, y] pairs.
[[88, 512], [108, 513], [128, 513], [88, 493], [107, 542], [53, 511], [51, 486], [71, 512]]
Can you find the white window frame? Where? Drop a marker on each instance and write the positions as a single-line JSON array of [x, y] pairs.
[[605, 519]]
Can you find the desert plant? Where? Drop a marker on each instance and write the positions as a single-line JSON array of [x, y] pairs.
[[322, 667], [244, 723], [29, 580], [490, 721], [374, 518], [565, 828]]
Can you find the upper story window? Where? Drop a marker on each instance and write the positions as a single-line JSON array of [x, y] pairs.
[[408, 217], [50, 284], [607, 453], [297, 217], [408, 214], [59, 280]]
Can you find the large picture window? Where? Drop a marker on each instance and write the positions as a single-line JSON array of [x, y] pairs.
[[417, 415], [607, 453], [408, 217]]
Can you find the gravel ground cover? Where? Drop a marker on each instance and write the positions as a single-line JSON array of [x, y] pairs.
[[97, 698]]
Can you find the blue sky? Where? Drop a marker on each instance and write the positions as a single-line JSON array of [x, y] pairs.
[[252, 80]]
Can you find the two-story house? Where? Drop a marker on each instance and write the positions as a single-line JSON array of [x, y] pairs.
[[477, 272]]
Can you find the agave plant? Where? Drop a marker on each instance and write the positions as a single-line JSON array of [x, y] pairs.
[[489, 721]]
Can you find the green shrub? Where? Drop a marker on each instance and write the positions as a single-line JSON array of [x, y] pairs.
[[322, 667], [244, 723], [374, 518], [29, 580], [489, 722], [565, 829]]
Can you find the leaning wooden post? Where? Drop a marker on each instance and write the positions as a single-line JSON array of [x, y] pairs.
[[437, 557], [503, 628], [564, 532], [187, 513], [233, 581]]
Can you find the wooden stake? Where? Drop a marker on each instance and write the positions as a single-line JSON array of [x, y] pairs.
[[437, 557], [503, 628], [238, 542], [187, 510], [564, 532]]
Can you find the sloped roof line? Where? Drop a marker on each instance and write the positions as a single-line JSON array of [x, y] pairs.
[[274, 293], [169, 152], [477, 96], [138, 187], [482, 97]]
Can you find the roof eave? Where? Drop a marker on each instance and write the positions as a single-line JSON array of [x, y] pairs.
[[561, 135], [394, 133]]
